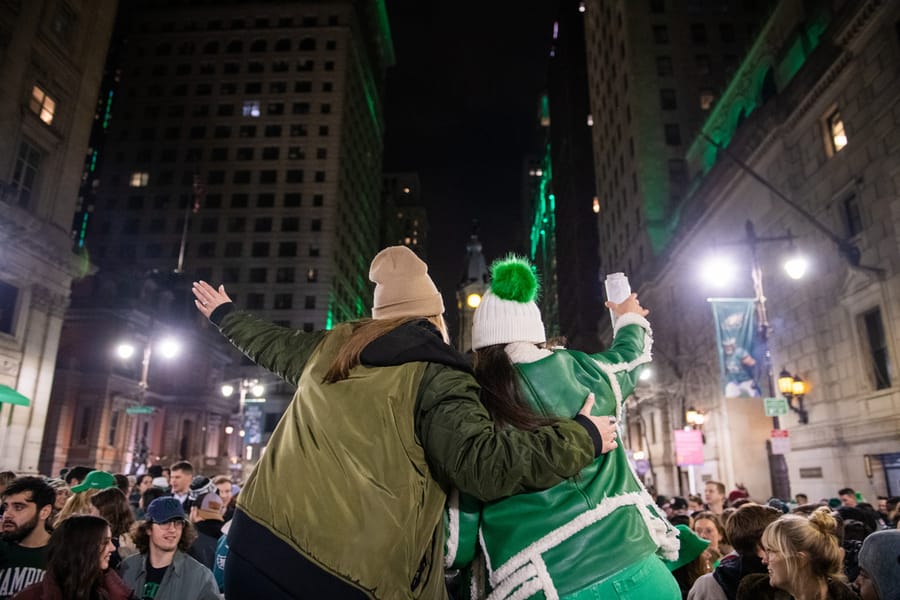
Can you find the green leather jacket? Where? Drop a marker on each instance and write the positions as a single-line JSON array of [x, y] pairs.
[[355, 473], [587, 528]]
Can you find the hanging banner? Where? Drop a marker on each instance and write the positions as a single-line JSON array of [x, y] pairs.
[[735, 337]]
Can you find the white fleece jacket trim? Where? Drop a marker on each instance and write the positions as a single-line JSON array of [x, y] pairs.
[[610, 370], [452, 546], [507, 577], [630, 319], [525, 352]]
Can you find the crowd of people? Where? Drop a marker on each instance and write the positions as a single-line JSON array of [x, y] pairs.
[[402, 470], [94, 535]]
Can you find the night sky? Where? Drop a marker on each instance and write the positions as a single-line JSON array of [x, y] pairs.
[[461, 111]]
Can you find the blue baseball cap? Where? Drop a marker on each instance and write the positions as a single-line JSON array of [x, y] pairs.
[[165, 509]]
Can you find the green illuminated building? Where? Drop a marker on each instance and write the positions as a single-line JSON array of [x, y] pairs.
[[656, 69], [261, 125]]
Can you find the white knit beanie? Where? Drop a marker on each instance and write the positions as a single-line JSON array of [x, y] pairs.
[[507, 312], [402, 285]]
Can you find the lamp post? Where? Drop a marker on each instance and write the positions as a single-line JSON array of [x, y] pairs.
[[169, 348], [256, 389], [792, 387], [795, 267]]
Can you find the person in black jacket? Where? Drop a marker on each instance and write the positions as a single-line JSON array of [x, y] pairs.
[[206, 515]]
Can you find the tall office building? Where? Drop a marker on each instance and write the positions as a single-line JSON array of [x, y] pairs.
[[405, 221], [577, 260], [655, 69], [51, 62], [245, 148], [241, 144]]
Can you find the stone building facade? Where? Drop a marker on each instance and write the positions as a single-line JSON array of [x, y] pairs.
[[804, 140], [51, 63]]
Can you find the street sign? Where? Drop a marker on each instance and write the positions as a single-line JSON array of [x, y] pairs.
[[139, 410], [781, 441], [776, 407], [688, 447]]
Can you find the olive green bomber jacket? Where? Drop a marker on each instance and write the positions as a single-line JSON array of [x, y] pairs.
[[430, 410]]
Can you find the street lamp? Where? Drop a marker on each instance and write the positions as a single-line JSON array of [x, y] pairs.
[[795, 267], [793, 387], [169, 348], [256, 390]]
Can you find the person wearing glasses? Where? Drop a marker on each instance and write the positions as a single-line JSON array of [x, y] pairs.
[[163, 570]]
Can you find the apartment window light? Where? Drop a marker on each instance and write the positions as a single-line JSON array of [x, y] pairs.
[[251, 108], [139, 179], [42, 105], [836, 132]]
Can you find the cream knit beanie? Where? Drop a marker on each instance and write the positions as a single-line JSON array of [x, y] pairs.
[[402, 285], [507, 312]]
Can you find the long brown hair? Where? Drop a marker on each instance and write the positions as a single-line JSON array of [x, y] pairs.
[[500, 391], [114, 507], [73, 557], [364, 333]]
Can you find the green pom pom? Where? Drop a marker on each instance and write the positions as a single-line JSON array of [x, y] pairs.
[[512, 278]]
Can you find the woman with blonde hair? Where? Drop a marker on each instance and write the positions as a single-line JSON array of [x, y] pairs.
[[77, 504], [804, 557]]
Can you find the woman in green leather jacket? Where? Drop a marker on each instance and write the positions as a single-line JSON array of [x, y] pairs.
[[595, 535]]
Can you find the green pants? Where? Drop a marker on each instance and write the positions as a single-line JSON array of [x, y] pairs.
[[648, 579]]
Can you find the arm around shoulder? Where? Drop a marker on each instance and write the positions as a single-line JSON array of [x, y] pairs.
[[466, 450]]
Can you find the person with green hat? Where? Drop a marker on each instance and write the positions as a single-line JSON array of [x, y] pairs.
[[593, 535], [95, 480], [693, 559]]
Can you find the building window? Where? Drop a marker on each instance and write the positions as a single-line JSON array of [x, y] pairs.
[[315, 225], [284, 301], [239, 200], [251, 108], [262, 224], [707, 98], [312, 275], [9, 294], [660, 34], [287, 249], [284, 275], [290, 224], [42, 105], [233, 249], [836, 135], [698, 33], [270, 153], [726, 31], [293, 199], [257, 275], [309, 302], [231, 275], [236, 224], [265, 200], [664, 66], [24, 176], [667, 99], [84, 426], [852, 216], [259, 249], [703, 65], [256, 301], [139, 179], [673, 134], [294, 176], [876, 347]]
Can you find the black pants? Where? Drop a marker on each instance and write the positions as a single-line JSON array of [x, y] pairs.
[[279, 572]]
